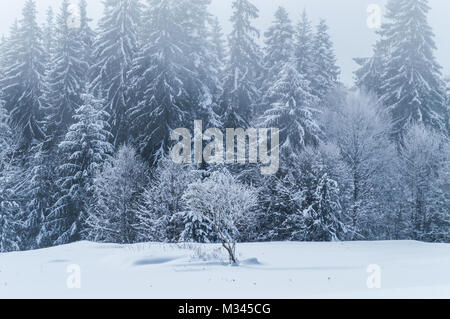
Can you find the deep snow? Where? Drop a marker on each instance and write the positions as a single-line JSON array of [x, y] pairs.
[[267, 270]]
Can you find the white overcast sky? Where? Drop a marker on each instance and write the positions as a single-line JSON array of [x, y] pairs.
[[346, 18]]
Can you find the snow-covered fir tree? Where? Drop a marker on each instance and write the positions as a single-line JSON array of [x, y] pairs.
[[413, 90], [325, 71], [303, 47], [86, 35], [49, 35], [10, 222], [243, 69], [159, 218], [223, 202], [293, 110], [278, 47], [321, 217], [114, 49], [65, 80], [369, 75], [84, 149], [23, 77], [117, 190], [197, 228], [218, 42]]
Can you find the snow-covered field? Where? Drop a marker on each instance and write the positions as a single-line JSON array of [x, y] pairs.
[[267, 270]]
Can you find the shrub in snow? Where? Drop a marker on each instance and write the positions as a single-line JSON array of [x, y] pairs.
[[222, 201]]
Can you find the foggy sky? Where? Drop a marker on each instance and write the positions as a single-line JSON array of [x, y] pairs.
[[346, 18]]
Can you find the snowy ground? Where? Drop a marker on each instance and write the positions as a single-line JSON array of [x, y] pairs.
[[268, 270]]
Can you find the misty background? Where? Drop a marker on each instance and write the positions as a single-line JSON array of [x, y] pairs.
[[347, 20]]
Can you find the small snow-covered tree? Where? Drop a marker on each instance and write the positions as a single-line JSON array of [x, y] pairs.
[[118, 187], [197, 228], [424, 167], [361, 131], [223, 201], [158, 218], [84, 149]]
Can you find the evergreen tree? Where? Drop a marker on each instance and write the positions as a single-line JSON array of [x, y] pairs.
[[49, 36], [10, 224], [86, 35], [412, 87], [84, 149], [243, 68], [303, 47], [325, 71], [114, 49], [293, 111], [159, 74], [65, 80], [278, 47], [216, 35], [22, 82], [369, 76]]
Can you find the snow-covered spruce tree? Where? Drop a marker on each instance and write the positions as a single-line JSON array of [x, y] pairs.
[[294, 111], [243, 69], [278, 48], [10, 223], [84, 149], [118, 187], [361, 132], [369, 76], [23, 77], [49, 36], [223, 202], [86, 35], [197, 228], [174, 74], [158, 217], [303, 47], [321, 217], [65, 80], [424, 167], [217, 40], [114, 49], [413, 90], [325, 71], [37, 190], [159, 75]]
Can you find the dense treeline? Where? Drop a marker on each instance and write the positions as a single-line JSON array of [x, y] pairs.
[[86, 116]]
